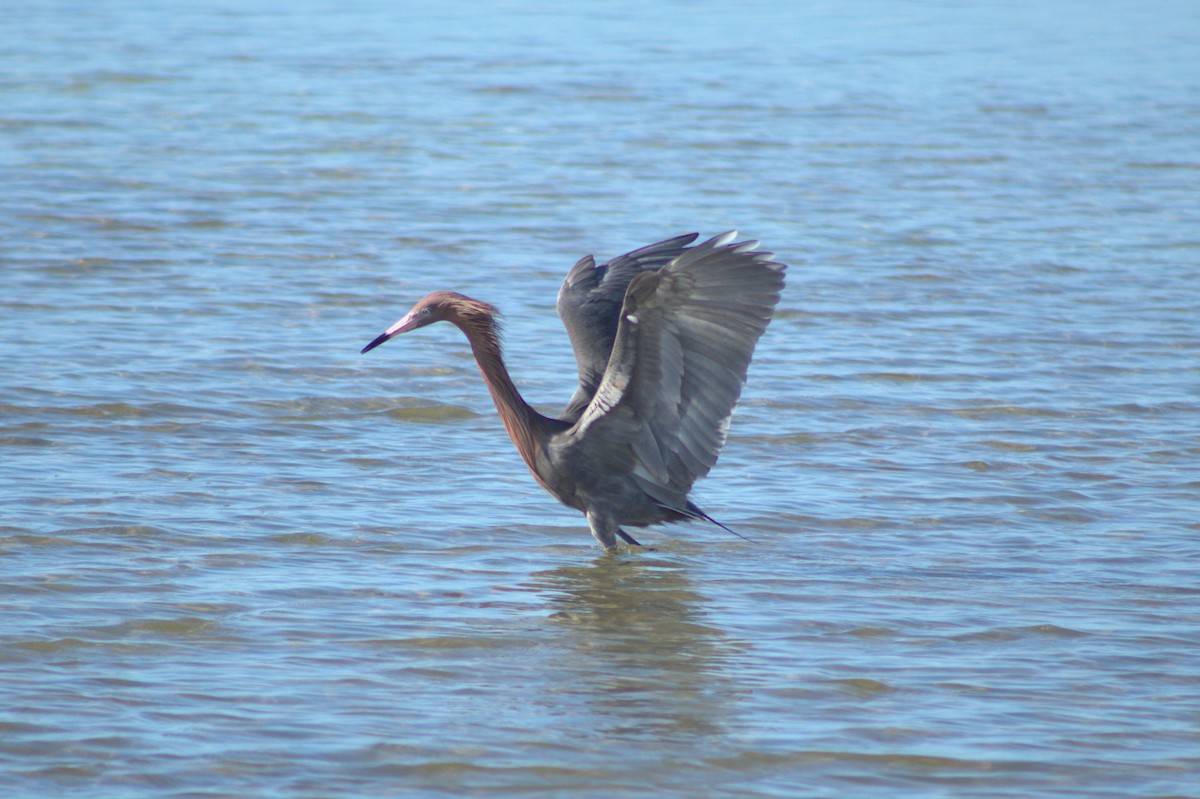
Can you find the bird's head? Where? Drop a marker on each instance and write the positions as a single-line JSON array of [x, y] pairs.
[[440, 306]]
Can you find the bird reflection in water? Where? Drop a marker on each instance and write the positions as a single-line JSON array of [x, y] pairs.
[[638, 650], [663, 338]]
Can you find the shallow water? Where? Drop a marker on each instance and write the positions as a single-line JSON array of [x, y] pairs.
[[239, 559]]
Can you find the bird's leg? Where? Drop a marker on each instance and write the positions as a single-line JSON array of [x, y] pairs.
[[627, 538], [604, 528]]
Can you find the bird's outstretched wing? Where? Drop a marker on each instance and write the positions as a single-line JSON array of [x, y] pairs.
[[589, 304], [684, 340]]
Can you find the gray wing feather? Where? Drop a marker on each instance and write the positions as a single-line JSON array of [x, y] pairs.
[[685, 337], [589, 304]]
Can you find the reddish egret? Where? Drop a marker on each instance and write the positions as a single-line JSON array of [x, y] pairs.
[[663, 337]]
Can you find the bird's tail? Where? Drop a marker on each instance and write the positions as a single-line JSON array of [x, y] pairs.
[[696, 513]]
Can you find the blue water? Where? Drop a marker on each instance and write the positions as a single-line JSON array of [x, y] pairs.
[[239, 559]]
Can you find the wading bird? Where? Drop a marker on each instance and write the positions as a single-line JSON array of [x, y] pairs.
[[663, 337]]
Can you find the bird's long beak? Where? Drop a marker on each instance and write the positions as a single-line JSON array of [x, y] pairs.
[[407, 322]]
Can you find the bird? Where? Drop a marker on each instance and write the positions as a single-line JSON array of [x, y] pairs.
[[663, 338]]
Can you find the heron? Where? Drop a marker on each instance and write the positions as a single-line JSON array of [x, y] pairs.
[[663, 338]]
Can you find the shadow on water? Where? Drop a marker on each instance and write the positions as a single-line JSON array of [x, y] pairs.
[[637, 648]]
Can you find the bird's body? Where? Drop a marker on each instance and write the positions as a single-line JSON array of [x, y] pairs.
[[663, 337]]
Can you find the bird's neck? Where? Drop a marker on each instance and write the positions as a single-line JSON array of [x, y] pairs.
[[527, 428]]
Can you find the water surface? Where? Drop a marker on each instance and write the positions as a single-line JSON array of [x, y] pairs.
[[239, 559]]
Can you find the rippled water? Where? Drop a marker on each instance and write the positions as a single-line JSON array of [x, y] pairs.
[[238, 559]]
